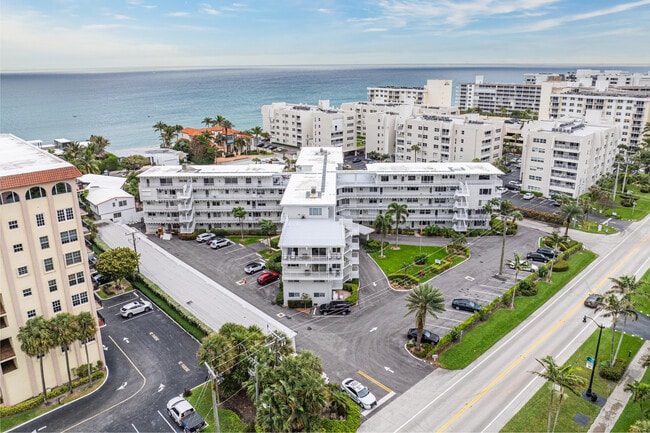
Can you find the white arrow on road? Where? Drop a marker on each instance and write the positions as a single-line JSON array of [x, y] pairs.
[[161, 387], [373, 329], [105, 347], [125, 340], [122, 387], [389, 370]]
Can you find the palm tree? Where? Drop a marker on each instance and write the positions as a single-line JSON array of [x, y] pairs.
[[555, 241], [564, 377], [268, 229], [506, 211], [226, 125], [382, 224], [240, 213], [415, 148], [36, 340], [87, 161], [518, 263], [99, 145], [640, 393], [85, 328], [568, 212], [615, 308], [421, 301], [399, 212], [63, 335], [160, 127], [217, 351], [627, 286], [207, 121], [256, 131]]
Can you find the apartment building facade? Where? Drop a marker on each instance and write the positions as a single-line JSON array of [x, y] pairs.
[[628, 108], [436, 93], [44, 264], [433, 138], [308, 125], [499, 98], [567, 156]]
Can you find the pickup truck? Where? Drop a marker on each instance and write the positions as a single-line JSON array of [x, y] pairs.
[[183, 414]]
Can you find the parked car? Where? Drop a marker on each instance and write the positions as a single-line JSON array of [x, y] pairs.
[[98, 279], [215, 244], [528, 196], [92, 259], [548, 252], [514, 182], [335, 307], [135, 307], [357, 159], [359, 393], [428, 337], [466, 304], [502, 189], [267, 277], [537, 257], [254, 267], [184, 415], [205, 237], [526, 266], [592, 301], [513, 186]]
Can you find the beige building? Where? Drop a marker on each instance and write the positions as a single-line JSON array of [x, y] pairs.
[[436, 93], [44, 264]]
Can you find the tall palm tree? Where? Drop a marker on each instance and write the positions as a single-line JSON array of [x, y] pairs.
[[518, 263], [421, 301], [268, 229], [217, 351], [399, 212], [640, 393], [569, 211], [226, 125], [415, 148], [564, 377], [85, 328], [63, 335], [505, 211], [615, 308], [256, 132], [36, 340], [382, 223], [87, 161], [207, 121], [555, 241], [627, 286], [240, 213]]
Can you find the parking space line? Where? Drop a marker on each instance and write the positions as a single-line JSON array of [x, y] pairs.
[[376, 382]]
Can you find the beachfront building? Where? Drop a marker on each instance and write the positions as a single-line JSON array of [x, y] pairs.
[[567, 156], [609, 78], [44, 264], [320, 249], [436, 93], [299, 125], [499, 98], [434, 138], [628, 108]]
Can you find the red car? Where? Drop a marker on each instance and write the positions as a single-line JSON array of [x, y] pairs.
[[267, 277]]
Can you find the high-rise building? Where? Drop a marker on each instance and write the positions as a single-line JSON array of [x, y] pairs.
[[44, 264]]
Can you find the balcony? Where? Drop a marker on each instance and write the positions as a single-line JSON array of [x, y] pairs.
[[460, 226]]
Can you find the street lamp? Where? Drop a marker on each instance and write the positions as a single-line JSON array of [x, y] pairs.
[[589, 394]]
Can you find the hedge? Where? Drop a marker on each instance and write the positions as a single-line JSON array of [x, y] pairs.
[[348, 425], [615, 372]]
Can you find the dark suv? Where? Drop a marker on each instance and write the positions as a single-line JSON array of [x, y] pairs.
[[335, 307], [537, 257]]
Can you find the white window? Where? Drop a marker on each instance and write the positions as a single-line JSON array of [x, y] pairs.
[[48, 264], [69, 236], [31, 314], [18, 248], [52, 285], [79, 298], [72, 258], [56, 306], [27, 292], [22, 271], [45, 242], [13, 225], [40, 220]]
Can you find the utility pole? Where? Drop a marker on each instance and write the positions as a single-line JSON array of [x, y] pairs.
[[134, 247], [618, 168], [215, 396]]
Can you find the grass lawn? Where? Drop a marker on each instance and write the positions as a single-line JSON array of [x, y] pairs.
[[201, 399], [635, 213], [592, 227], [632, 412], [642, 303], [401, 261], [480, 338], [533, 416]]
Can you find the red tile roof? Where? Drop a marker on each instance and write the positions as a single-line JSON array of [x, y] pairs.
[[38, 177]]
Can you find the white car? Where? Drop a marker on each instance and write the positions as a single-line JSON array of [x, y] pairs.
[[254, 267], [205, 237], [135, 307], [526, 266], [528, 196], [219, 243], [359, 393]]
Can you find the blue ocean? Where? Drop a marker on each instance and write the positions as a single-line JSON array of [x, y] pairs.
[[124, 106]]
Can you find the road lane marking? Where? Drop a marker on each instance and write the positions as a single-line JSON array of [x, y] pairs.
[[376, 382], [539, 341], [479, 364]]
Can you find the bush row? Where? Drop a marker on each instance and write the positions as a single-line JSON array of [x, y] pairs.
[[541, 216], [614, 372]]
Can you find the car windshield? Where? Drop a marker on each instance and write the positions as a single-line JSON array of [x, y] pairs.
[[363, 392]]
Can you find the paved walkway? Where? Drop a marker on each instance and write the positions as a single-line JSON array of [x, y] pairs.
[[617, 400]]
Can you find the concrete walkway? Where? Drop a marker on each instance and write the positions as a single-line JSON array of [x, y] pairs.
[[617, 400]]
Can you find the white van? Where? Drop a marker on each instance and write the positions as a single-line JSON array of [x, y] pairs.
[[204, 237]]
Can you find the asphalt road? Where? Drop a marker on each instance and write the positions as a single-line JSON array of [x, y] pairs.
[[485, 395]]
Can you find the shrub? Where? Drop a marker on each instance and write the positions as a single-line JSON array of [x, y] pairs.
[[421, 259], [615, 372], [483, 314], [300, 303], [454, 333], [527, 288], [275, 242], [561, 266], [402, 280], [352, 287], [543, 271], [279, 297]]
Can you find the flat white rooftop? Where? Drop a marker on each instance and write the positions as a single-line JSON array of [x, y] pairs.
[[203, 170], [312, 232], [19, 157], [316, 157], [310, 189], [406, 168]]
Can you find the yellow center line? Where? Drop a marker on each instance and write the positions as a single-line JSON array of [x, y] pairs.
[[500, 377], [376, 382]]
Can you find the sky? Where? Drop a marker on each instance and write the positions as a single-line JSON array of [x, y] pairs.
[[64, 35]]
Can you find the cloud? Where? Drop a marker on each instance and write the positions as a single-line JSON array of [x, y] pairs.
[[178, 14], [376, 29], [324, 11], [555, 22], [119, 17], [206, 8]]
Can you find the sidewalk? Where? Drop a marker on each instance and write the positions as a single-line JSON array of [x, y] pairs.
[[617, 400]]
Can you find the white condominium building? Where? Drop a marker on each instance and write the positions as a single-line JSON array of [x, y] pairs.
[[44, 265], [567, 156], [433, 138], [436, 93], [308, 125], [610, 78], [444, 194], [185, 198], [499, 98], [628, 108]]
